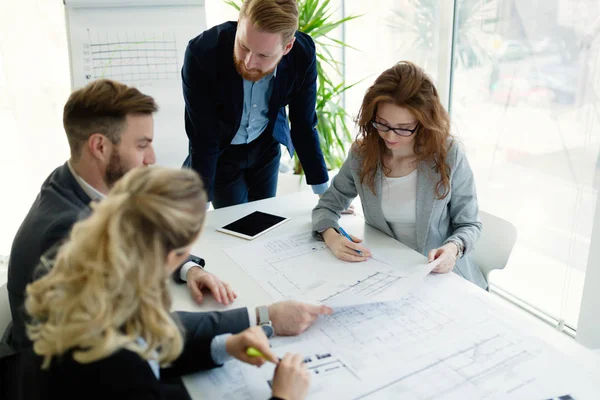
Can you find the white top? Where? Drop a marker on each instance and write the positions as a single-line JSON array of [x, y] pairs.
[[399, 205]]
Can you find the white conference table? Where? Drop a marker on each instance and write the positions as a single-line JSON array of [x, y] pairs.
[[298, 208]]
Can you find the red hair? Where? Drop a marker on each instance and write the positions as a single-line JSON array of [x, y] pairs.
[[405, 85]]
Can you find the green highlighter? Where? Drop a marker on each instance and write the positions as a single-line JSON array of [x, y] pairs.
[[252, 352]]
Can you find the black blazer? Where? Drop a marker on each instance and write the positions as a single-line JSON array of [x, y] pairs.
[[123, 375], [59, 205], [214, 93]]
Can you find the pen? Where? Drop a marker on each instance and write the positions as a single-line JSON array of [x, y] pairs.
[[252, 352], [343, 232]]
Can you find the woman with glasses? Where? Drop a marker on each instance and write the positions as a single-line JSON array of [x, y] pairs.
[[101, 325], [412, 176]]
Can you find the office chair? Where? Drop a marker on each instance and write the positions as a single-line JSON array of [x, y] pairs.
[[493, 248]]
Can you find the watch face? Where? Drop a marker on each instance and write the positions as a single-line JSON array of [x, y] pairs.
[[268, 329]]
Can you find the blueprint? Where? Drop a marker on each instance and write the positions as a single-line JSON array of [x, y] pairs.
[[299, 267], [431, 344], [237, 380]]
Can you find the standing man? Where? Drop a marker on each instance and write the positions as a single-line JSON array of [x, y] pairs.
[[237, 80]]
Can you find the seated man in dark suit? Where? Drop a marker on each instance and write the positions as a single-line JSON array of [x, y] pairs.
[[237, 80], [109, 128]]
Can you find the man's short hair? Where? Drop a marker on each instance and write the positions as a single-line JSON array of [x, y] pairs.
[[102, 107], [273, 16]]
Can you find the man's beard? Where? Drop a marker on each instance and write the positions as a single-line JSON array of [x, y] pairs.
[[115, 169], [253, 75]]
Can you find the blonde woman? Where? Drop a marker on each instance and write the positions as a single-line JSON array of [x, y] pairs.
[[100, 321]]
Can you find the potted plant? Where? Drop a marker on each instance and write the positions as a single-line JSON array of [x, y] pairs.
[[317, 20]]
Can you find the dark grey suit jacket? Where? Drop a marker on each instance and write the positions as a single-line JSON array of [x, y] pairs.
[[60, 203]]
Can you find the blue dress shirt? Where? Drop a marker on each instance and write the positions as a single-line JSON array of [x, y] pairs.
[[256, 106], [254, 115]]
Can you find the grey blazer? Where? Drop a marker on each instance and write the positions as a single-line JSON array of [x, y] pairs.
[[454, 217]]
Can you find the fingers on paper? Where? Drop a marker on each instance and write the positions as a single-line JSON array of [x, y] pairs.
[[352, 256], [196, 292]]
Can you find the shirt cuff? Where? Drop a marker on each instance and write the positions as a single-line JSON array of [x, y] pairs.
[[218, 350], [320, 188], [185, 268], [251, 316]]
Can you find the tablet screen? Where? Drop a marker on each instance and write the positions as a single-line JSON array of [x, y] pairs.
[[255, 223]]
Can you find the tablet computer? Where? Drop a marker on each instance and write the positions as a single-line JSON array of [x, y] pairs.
[[253, 225]]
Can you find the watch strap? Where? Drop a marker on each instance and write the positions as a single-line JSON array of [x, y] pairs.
[[459, 245], [263, 315]]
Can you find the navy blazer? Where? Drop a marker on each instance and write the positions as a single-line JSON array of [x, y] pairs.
[[122, 375], [213, 92]]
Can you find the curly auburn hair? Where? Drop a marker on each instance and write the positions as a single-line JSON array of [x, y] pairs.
[[405, 85]]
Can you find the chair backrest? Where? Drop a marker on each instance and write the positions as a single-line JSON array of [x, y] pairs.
[[5, 315], [497, 240]]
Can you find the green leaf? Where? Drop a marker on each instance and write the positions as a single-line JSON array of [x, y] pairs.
[[233, 4]]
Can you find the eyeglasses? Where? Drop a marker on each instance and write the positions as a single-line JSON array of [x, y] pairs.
[[398, 131]]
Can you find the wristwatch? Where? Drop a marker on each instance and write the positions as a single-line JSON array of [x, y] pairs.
[[265, 322], [459, 245]]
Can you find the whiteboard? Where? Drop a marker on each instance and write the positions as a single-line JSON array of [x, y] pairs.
[[140, 43]]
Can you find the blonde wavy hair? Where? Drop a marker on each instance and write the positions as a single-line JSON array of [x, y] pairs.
[[108, 285]]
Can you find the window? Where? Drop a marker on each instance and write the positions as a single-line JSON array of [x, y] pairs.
[[389, 31], [524, 101]]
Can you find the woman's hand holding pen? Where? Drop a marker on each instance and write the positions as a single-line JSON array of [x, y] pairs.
[[345, 249], [291, 378], [237, 346]]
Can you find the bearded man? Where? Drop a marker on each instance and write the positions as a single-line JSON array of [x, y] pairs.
[[238, 78]]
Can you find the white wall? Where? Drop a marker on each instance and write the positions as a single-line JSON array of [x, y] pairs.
[[218, 12], [34, 85]]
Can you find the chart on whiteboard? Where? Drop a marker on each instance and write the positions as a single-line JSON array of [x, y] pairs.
[[141, 44], [133, 57], [298, 266]]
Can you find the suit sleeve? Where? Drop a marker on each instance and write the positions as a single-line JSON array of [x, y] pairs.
[[303, 118], [177, 274], [199, 330], [194, 357], [335, 200], [201, 124], [51, 242], [206, 325], [463, 206]]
